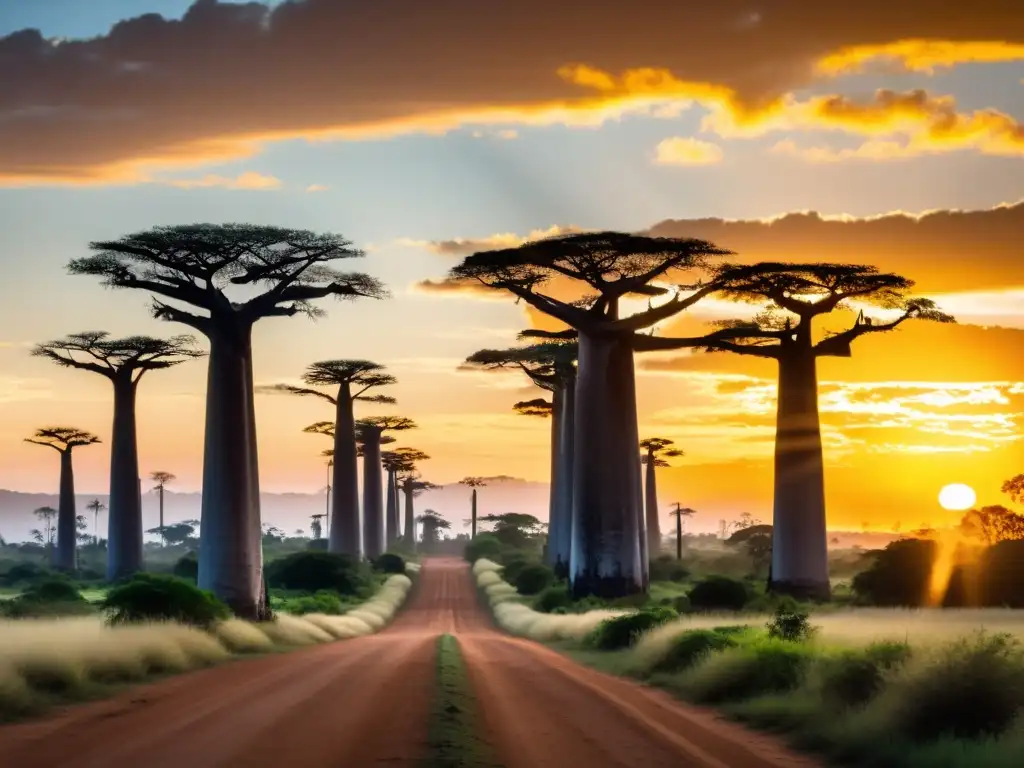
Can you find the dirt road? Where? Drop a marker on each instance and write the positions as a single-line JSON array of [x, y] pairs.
[[366, 702]]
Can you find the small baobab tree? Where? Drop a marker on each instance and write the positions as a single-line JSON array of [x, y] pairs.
[[351, 382], [392, 464], [162, 480], [679, 513], [96, 506], [792, 298], [609, 544], [64, 440], [316, 526], [656, 453], [370, 432], [197, 265], [473, 483], [123, 362], [432, 524], [401, 465]]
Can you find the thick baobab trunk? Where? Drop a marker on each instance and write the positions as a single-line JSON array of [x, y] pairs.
[[552, 548], [799, 540], [344, 528], [230, 551], [560, 523], [607, 505], [373, 496], [472, 515], [252, 447], [410, 517], [651, 505], [64, 554], [391, 511], [679, 536], [124, 518]]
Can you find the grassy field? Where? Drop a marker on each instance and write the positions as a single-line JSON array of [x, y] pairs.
[[47, 662], [884, 688]]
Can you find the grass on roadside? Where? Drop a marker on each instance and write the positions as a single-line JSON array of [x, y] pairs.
[[455, 737]]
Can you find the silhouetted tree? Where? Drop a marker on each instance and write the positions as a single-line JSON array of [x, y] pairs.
[[370, 432], [1014, 488], [351, 380], [515, 529], [656, 451], [993, 524], [410, 484], [756, 539], [551, 366], [123, 362], [46, 515], [473, 483], [609, 544], [194, 265], [679, 513], [64, 440], [432, 524], [96, 506], [162, 479], [792, 297], [316, 527]]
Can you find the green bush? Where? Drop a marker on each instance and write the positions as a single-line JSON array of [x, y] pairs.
[[311, 571], [324, 601], [533, 579], [792, 625], [746, 671], [717, 593], [152, 597], [389, 562], [667, 568], [54, 596], [690, 647], [187, 567], [553, 598], [854, 677], [622, 631], [25, 573], [513, 564], [53, 590], [485, 545]]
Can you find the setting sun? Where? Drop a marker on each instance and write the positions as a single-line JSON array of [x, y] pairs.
[[957, 496]]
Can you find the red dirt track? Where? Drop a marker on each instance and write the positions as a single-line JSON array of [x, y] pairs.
[[366, 702]]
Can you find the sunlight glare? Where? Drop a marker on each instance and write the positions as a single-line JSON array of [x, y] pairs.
[[957, 496]]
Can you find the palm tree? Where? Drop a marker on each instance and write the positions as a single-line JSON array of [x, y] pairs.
[[194, 265], [679, 513], [473, 483], [96, 506], [162, 480], [64, 440], [656, 451]]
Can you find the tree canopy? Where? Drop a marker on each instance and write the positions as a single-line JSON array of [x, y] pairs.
[[538, 407], [376, 425], [657, 450], [360, 375], [62, 438], [97, 352], [547, 364]]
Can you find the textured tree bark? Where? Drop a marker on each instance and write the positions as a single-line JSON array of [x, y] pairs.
[[255, 516], [64, 554], [391, 511], [230, 552], [344, 525], [410, 518], [124, 519], [607, 505], [651, 503], [560, 525], [373, 496], [679, 536], [552, 548], [799, 539]]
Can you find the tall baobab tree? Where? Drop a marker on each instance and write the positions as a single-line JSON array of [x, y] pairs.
[[123, 362], [46, 516], [392, 464], [351, 381], [402, 476], [657, 451], [195, 265], [679, 513], [609, 545], [792, 297], [473, 483], [96, 506], [162, 480], [371, 434], [64, 440], [551, 366]]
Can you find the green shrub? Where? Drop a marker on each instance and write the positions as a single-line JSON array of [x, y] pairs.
[[743, 672], [514, 563], [554, 598], [485, 545], [311, 571], [324, 601], [389, 562], [25, 573], [717, 593], [790, 625], [690, 647], [154, 597], [53, 590], [187, 567], [533, 579], [622, 631], [854, 677], [667, 568]]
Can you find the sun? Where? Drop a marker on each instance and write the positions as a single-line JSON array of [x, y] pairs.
[[957, 496]]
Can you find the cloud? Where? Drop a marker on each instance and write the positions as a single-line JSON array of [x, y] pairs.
[[113, 108], [465, 246], [317, 188], [249, 181], [687, 151]]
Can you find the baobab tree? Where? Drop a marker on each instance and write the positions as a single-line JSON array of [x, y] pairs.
[[656, 452], [679, 513], [123, 362], [162, 480], [608, 542], [351, 381], [792, 297], [473, 483], [551, 366], [432, 524], [96, 506], [407, 482], [64, 440], [370, 432], [195, 265], [392, 463], [315, 526]]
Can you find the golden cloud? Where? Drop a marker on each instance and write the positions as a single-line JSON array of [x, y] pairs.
[[679, 150], [250, 180], [919, 55]]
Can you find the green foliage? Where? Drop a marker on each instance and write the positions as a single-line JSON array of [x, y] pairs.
[[667, 568], [553, 598], [690, 647], [51, 597], [25, 573], [792, 625], [389, 562], [899, 574], [718, 593], [150, 597], [484, 546], [622, 631], [187, 567], [746, 671], [310, 571], [533, 579], [514, 562], [679, 603], [854, 677], [324, 601]]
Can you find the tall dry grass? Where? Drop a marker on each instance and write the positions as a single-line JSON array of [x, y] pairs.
[[48, 661], [520, 619]]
